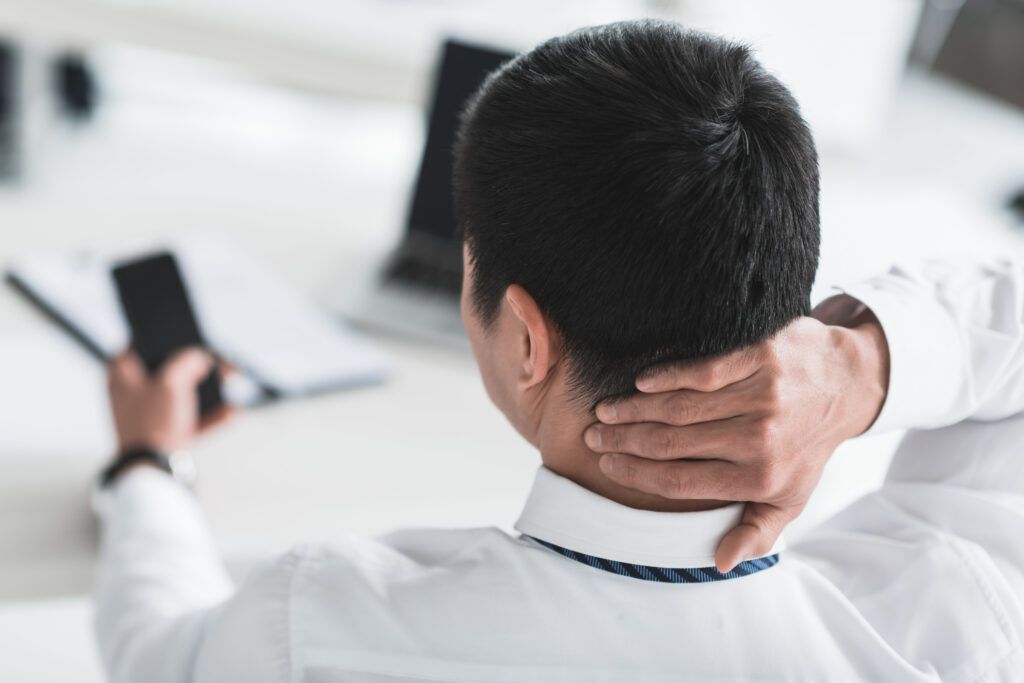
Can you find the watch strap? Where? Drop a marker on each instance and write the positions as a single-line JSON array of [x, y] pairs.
[[131, 457]]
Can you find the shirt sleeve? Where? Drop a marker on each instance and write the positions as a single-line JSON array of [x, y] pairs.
[[956, 341], [162, 589]]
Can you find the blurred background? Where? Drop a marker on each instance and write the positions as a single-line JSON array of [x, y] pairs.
[[293, 154]]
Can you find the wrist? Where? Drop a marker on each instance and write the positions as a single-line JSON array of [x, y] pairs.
[[865, 353], [157, 444], [178, 464]]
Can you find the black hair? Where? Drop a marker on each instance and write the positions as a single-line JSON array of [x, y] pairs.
[[653, 188]]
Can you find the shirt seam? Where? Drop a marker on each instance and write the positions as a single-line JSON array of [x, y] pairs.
[[957, 545], [985, 588], [993, 667], [477, 534], [298, 557]]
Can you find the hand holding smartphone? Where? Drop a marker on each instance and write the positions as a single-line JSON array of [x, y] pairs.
[[161, 319]]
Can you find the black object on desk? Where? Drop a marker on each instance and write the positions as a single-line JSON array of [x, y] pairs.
[[75, 85], [10, 103], [1016, 204], [160, 316]]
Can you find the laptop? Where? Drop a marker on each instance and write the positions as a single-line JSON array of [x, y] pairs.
[[416, 291]]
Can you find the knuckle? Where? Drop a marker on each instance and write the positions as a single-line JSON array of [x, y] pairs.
[[664, 442], [770, 438], [631, 408], [702, 375], [765, 433], [682, 410], [766, 481], [670, 485], [630, 473], [774, 393], [611, 438], [713, 375], [166, 383]]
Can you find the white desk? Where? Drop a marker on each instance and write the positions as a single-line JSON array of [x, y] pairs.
[[316, 187]]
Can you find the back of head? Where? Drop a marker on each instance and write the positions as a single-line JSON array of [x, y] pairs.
[[653, 188]]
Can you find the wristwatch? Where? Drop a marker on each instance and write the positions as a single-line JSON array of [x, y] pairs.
[[178, 464]]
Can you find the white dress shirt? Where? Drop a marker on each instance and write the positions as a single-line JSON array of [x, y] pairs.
[[922, 580]]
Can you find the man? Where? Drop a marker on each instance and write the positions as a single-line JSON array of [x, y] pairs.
[[631, 195]]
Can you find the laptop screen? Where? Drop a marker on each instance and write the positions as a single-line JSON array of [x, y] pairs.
[[461, 72]]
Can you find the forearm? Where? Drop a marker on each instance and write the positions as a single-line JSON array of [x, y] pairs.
[[159, 576]]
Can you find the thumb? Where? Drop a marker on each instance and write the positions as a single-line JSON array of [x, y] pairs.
[[754, 536], [187, 368], [126, 368]]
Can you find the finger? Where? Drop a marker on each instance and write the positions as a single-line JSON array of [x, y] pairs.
[[186, 368], [665, 442], [754, 537], [705, 375], [218, 416], [679, 479], [226, 369], [681, 407], [126, 368]]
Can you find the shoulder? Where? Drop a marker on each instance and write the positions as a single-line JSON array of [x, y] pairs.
[[398, 583], [350, 594], [398, 555]]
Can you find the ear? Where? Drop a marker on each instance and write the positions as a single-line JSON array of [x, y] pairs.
[[538, 340]]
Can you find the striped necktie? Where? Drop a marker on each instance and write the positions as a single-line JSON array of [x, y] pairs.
[[663, 574]]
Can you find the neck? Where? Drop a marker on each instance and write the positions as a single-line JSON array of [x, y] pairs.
[[559, 427]]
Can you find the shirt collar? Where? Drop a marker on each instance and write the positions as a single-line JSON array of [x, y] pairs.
[[564, 513]]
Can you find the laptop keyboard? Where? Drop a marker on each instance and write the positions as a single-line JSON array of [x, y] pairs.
[[410, 271]]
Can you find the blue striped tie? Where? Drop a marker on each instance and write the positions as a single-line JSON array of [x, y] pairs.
[[664, 574]]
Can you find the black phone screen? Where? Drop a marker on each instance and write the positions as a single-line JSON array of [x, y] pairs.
[[160, 316]]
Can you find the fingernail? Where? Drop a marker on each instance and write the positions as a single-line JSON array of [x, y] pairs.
[[607, 412], [606, 464], [593, 437], [645, 383]]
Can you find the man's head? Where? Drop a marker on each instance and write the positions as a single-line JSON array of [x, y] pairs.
[[629, 194]]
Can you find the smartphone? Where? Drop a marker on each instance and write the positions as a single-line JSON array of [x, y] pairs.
[[160, 316]]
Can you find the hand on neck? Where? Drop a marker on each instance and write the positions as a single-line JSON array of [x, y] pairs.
[[524, 368], [557, 431]]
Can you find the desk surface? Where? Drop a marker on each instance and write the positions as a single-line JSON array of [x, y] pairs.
[[316, 187]]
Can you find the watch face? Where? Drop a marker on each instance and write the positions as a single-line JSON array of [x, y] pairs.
[[183, 467]]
